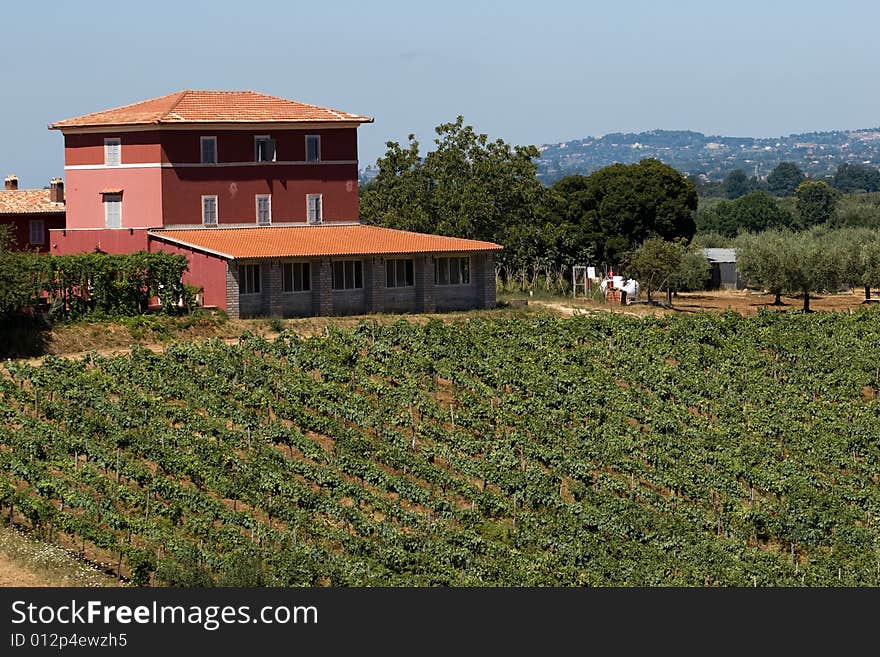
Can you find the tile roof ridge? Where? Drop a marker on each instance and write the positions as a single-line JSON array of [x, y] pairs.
[[180, 96]]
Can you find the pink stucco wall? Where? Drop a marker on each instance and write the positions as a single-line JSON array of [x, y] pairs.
[[141, 196], [119, 240], [205, 271]]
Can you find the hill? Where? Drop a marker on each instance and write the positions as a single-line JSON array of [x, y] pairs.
[[816, 153]]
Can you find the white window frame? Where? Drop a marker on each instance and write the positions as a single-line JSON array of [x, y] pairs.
[[109, 142], [396, 283], [357, 267], [319, 214], [243, 279], [216, 210], [257, 140], [304, 266], [317, 139], [109, 199], [37, 230], [449, 260], [202, 141], [257, 199]]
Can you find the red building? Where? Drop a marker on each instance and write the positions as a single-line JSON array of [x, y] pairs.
[[205, 172], [31, 213]]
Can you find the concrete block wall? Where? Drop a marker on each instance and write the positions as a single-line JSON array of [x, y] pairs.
[[232, 296], [322, 287], [424, 297], [424, 274]]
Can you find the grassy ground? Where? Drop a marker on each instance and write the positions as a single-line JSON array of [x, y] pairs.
[[155, 331], [25, 561]]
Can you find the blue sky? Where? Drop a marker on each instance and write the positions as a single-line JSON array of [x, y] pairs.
[[528, 72]]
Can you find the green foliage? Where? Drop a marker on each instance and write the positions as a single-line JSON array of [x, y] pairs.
[[858, 210], [816, 201], [711, 240], [753, 212], [468, 186], [784, 179], [869, 260], [656, 265], [692, 274], [761, 260], [17, 284], [619, 207], [802, 263], [856, 178], [108, 285], [736, 184], [737, 451]]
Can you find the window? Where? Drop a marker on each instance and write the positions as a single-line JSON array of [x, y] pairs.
[[264, 209], [314, 209], [209, 210], [296, 277], [313, 148], [249, 279], [264, 148], [399, 273], [113, 210], [209, 150], [112, 151], [452, 271], [37, 231], [348, 275]]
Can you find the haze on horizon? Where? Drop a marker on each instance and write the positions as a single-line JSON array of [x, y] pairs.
[[525, 72]]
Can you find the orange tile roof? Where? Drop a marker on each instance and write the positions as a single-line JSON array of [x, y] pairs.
[[27, 201], [190, 106], [312, 241]]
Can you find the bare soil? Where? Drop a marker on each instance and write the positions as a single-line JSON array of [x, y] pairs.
[[742, 301]]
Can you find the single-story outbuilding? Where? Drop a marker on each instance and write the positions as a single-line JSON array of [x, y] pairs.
[[722, 269], [341, 269]]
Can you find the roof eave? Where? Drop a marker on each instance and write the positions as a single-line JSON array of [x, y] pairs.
[[60, 125]]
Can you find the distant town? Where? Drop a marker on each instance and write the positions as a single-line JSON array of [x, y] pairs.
[[709, 157]]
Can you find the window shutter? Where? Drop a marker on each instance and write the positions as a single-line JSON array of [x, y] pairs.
[[113, 211]]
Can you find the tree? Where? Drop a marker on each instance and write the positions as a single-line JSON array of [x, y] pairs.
[[692, 274], [468, 186], [736, 184], [17, 286], [782, 261], [656, 265], [809, 265], [752, 213], [856, 178], [846, 246], [869, 258], [816, 202], [760, 260], [784, 179], [620, 206], [400, 194]]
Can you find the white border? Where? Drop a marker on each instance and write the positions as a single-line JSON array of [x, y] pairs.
[[178, 165], [320, 220], [257, 198], [104, 201], [112, 141], [216, 210]]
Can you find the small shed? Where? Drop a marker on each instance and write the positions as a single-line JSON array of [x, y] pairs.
[[723, 272]]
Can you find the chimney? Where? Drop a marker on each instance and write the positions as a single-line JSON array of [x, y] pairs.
[[11, 181], [56, 190]]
